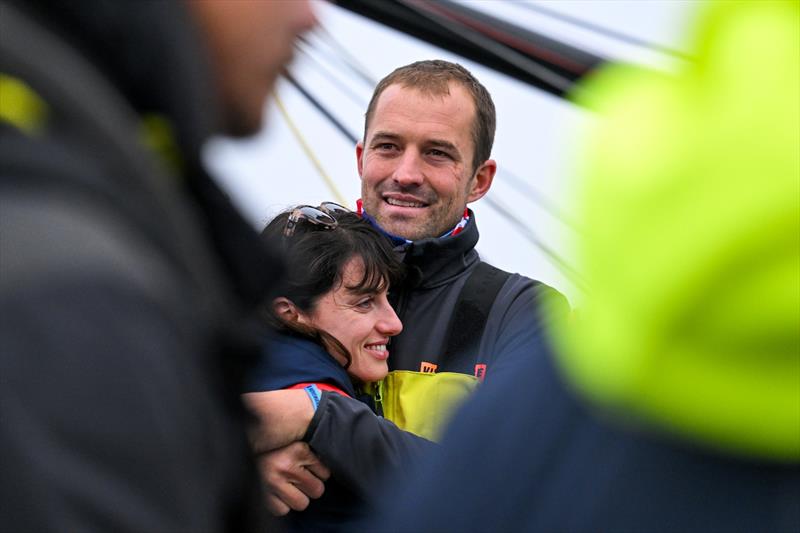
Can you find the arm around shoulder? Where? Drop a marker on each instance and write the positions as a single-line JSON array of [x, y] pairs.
[[359, 446]]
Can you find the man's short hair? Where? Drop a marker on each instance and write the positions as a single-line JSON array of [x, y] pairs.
[[433, 77]]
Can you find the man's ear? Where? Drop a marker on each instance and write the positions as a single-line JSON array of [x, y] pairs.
[[482, 181], [287, 312], [359, 153]]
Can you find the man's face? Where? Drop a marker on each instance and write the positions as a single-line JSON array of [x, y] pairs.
[[416, 162], [250, 41]]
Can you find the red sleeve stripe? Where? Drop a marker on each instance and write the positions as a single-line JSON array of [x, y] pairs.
[[321, 386]]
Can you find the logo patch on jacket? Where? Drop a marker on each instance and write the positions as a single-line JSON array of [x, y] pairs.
[[428, 368], [480, 371]]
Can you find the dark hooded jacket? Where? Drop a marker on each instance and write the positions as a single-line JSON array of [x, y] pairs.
[[288, 360], [372, 448], [126, 277], [528, 454]]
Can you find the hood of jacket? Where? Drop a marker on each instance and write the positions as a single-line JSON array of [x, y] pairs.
[[150, 51]]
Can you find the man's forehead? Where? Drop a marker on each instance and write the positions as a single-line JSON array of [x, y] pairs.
[[399, 93], [443, 113]]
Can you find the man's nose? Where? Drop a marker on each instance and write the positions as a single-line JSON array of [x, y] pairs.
[[409, 169]]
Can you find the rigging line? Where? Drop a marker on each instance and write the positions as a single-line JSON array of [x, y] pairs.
[[602, 30], [322, 109], [538, 198], [307, 150], [349, 60], [328, 55], [509, 40], [500, 50], [307, 48], [559, 262]]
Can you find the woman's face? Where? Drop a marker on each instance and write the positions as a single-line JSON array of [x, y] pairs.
[[363, 323]]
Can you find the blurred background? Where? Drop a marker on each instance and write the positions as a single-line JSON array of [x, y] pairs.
[[524, 221]]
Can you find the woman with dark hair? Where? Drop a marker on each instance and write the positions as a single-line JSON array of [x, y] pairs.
[[333, 303], [331, 321]]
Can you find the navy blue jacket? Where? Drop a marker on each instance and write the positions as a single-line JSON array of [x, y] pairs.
[[287, 360], [525, 454], [373, 448]]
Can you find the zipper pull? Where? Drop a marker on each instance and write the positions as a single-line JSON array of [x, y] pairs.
[[378, 396]]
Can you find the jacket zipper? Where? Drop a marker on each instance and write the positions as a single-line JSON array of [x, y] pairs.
[[379, 398]]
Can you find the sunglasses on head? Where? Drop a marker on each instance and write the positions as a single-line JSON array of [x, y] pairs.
[[323, 216]]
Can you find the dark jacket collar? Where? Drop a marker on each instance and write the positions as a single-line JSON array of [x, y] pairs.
[[439, 260], [288, 359]]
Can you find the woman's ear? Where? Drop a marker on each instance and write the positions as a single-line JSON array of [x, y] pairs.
[[287, 312]]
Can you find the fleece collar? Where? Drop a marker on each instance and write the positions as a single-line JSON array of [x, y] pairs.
[[439, 259]]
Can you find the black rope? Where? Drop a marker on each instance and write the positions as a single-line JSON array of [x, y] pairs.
[[537, 197], [322, 109], [548, 64], [560, 263], [357, 68], [306, 49], [606, 32], [509, 55]]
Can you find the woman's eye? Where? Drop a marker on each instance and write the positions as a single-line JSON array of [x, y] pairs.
[[365, 303]]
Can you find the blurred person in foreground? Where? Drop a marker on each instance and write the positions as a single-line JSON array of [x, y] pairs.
[[672, 401], [125, 270]]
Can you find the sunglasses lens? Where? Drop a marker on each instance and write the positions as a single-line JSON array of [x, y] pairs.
[[317, 216], [333, 208], [310, 214]]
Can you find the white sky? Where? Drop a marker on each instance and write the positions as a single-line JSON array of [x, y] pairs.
[[536, 133]]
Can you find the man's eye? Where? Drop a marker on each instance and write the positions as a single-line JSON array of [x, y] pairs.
[[438, 153], [385, 146]]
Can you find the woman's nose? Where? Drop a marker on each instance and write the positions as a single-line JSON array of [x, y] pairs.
[[389, 324]]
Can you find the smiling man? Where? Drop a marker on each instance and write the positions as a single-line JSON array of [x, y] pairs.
[[425, 155], [418, 163]]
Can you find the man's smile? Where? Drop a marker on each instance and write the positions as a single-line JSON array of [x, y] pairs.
[[404, 203]]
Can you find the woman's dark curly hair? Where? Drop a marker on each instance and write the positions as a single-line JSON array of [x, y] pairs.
[[315, 259]]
